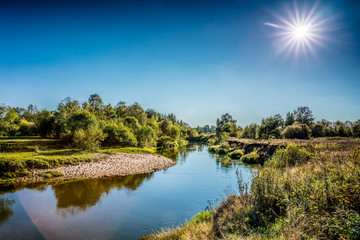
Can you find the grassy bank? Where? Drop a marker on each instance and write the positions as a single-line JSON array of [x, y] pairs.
[[305, 191], [19, 156]]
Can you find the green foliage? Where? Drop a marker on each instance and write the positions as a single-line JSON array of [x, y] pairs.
[[201, 217], [301, 199], [14, 165], [80, 120], [51, 174], [236, 154], [271, 127], [251, 131], [119, 135], [251, 158], [292, 155], [89, 139], [303, 115], [220, 122], [166, 142], [174, 132], [145, 137], [299, 131]]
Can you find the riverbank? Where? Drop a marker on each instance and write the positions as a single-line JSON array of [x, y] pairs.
[[303, 191], [107, 165]]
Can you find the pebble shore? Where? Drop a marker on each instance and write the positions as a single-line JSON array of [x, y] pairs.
[[119, 164]]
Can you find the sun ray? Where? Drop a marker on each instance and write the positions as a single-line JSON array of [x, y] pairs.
[[301, 30]]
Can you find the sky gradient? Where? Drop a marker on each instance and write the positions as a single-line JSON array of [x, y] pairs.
[[196, 59]]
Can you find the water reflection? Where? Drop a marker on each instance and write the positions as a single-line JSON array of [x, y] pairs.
[[180, 154], [78, 196], [5, 209]]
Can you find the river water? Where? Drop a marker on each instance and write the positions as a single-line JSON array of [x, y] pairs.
[[120, 207]]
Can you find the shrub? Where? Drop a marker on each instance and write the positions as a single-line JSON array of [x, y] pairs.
[[222, 151], [145, 137], [237, 154], [88, 140], [251, 158], [51, 173], [299, 131], [201, 217], [119, 135], [37, 163], [292, 155], [80, 120]]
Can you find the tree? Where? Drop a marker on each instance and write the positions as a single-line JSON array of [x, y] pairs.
[[271, 127], [80, 120], [145, 136], [251, 131], [89, 139], [45, 123], [96, 105], [299, 131], [318, 130], [304, 115], [121, 109], [225, 118], [136, 111], [290, 119], [165, 126]]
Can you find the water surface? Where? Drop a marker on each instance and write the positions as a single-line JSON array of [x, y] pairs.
[[120, 207]]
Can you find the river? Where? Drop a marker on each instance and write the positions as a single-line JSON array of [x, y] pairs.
[[120, 207]]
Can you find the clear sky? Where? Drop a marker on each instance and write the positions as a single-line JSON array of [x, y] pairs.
[[196, 59]]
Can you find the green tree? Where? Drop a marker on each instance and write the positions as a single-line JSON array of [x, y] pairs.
[[304, 115], [80, 120], [251, 131], [290, 119], [271, 127], [136, 111], [225, 118], [145, 136], [89, 139], [45, 123], [96, 105]]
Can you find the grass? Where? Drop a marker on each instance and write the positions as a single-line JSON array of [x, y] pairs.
[[128, 150], [13, 165], [306, 191], [20, 155]]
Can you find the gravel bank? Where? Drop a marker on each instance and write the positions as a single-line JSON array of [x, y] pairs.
[[119, 164]]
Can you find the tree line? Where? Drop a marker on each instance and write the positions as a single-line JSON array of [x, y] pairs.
[[299, 124], [93, 124]]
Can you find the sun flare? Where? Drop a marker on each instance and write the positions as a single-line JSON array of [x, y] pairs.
[[301, 31]]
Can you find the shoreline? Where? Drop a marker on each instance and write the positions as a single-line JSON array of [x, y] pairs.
[[118, 164]]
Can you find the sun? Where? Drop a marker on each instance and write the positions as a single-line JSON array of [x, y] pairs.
[[301, 30]]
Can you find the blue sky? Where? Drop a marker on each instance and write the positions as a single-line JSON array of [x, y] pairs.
[[195, 59]]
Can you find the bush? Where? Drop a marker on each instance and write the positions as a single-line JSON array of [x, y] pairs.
[[38, 163], [51, 173], [201, 217], [251, 158], [237, 154], [119, 135], [292, 155], [145, 137], [88, 140], [299, 131], [222, 151]]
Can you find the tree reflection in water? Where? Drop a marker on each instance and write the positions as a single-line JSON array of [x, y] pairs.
[[5, 209], [78, 196]]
